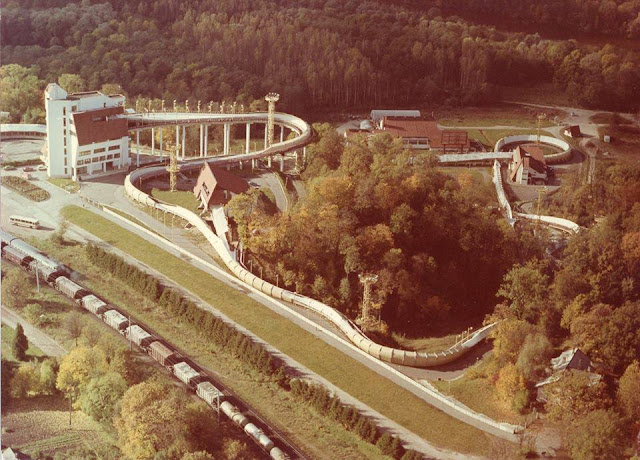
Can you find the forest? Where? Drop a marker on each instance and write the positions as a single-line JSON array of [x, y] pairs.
[[322, 54], [437, 243]]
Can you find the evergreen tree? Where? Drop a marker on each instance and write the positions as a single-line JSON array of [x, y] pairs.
[[20, 344]]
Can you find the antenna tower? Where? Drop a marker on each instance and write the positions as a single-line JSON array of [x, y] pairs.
[[173, 168], [271, 99]]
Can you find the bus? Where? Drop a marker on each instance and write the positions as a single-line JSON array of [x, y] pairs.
[[24, 221]]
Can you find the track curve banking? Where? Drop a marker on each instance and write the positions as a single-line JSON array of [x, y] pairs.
[[302, 128]]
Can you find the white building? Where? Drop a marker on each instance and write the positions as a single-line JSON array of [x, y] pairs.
[[83, 136]]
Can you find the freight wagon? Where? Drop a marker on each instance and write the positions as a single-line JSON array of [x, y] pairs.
[[115, 319], [16, 256], [70, 289], [186, 374], [138, 336], [208, 392], [94, 304], [163, 354]]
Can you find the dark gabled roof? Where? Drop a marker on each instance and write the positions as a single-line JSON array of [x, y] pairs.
[[212, 182], [574, 130], [95, 126]]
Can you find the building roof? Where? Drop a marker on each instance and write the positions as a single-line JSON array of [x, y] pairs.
[[414, 128], [530, 157], [571, 359], [574, 130], [377, 115], [212, 182], [95, 126]]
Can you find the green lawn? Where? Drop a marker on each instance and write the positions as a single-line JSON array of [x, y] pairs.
[[494, 135], [181, 198], [8, 335], [497, 115], [355, 378], [480, 395], [65, 184], [430, 344]]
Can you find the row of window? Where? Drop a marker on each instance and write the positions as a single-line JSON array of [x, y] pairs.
[[87, 161]]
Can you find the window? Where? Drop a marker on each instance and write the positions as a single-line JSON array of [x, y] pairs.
[[64, 111], [64, 122], [74, 108], [100, 150], [65, 162], [65, 141], [114, 147]]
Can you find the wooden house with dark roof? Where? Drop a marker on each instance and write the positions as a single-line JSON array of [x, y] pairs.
[[216, 186]]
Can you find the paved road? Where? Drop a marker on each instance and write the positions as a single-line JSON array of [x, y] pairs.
[[38, 338]]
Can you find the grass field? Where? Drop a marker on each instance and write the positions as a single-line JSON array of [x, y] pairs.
[[364, 384], [480, 395], [426, 345], [480, 175], [8, 335], [65, 184], [182, 198], [625, 142], [497, 115]]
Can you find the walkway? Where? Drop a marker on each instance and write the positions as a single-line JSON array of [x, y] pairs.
[[38, 338]]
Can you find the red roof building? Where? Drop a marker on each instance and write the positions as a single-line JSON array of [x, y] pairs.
[[96, 126], [528, 166], [217, 186], [417, 132]]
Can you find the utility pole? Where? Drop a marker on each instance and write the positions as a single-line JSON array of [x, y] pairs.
[[541, 116], [38, 276], [541, 191]]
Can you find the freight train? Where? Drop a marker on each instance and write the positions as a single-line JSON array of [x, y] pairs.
[[56, 275]]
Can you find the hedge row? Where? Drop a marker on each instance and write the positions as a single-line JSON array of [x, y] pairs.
[[220, 332], [331, 406]]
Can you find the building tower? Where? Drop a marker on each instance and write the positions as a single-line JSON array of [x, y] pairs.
[[173, 168], [366, 319], [271, 99]]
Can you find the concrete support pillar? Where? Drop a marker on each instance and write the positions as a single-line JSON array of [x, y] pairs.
[[240, 164], [161, 131], [201, 141], [282, 163], [304, 155], [137, 149], [281, 133], [269, 161], [266, 130], [153, 141], [177, 137], [227, 138], [247, 138], [184, 140], [206, 140], [253, 164]]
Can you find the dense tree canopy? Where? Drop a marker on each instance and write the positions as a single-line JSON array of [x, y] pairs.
[[324, 53], [440, 248]]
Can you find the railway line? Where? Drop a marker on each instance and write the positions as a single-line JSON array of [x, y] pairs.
[[194, 377]]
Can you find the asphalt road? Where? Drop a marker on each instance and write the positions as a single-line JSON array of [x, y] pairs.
[[38, 338]]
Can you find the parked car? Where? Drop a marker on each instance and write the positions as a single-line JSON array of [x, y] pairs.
[[28, 169], [9, 168], [42, 167]]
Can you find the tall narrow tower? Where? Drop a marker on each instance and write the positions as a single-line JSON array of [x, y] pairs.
[[271, 98], [173, 168], [366, 319]]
